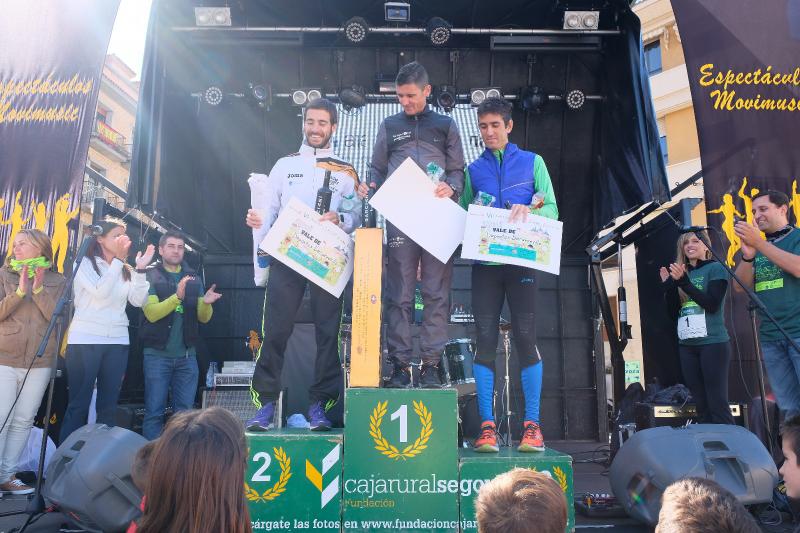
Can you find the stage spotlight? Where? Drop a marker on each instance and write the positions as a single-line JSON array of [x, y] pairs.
[[212, 16], [581, 20], [477, 96], [302, 96], [356, 29], [213, 95], [352, 97], [397, 11], [260, 94], [446, 98], [575, 99], [533, 99], [438, 31]]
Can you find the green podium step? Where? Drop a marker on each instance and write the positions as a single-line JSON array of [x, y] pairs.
[[293, 480], [396, 467], [478, 468], [400, 460]]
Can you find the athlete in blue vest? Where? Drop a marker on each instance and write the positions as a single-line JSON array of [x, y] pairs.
[[506, 177]]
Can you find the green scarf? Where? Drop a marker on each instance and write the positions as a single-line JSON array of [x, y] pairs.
[[32, 264]]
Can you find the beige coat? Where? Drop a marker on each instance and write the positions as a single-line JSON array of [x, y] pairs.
[[23, 321]]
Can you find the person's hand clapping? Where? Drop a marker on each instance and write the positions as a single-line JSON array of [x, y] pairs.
[[144, 259], [122, 246], [38, 278], [180, 292], [750, 237], [211, 295], [677, 271], [24, 281], [664, 273]]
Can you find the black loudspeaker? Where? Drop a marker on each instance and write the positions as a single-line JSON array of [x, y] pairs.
[[89, 478], [652, 459]]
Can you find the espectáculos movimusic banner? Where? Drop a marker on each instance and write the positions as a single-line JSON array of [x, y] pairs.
[[743, 60], [50, 67]]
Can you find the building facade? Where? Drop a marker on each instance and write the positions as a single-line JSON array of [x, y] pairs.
[[108, 162]]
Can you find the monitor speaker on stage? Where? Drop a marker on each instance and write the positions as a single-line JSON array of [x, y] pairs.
[[89, 478], [652, 459]]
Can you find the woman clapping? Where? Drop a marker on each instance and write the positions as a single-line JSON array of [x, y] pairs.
[[98, 334], [29, 291]]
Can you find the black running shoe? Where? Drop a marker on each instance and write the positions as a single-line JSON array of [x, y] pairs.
[[429, 376]]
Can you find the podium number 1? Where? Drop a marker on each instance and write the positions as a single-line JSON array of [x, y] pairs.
[[402, 414]]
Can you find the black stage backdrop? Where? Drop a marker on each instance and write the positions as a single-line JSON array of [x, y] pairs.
[[50, 66], [191, 159], [743, 60]]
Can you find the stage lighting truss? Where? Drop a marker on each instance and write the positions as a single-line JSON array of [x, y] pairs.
[[575, 99], [438, 31], [446, 98], [213, 96], [581, 20], [477, 96], [352, 97], [301, 97], [356, 29], [212, 16]]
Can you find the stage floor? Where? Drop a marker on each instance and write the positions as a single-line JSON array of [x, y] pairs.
[[588, 477]]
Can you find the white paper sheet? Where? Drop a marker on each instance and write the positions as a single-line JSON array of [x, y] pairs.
[[319, 251], [535, 243], [407, 200]]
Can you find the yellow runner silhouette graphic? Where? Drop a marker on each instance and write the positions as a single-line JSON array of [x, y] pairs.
[[61, 217], [16, 221], [729, 213]]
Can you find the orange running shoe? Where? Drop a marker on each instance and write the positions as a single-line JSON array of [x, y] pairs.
[[487, 442], [532, 440]]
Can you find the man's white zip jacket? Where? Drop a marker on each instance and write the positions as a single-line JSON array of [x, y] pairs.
[[300, 175]]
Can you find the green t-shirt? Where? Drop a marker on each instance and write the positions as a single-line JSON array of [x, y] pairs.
[[175, 346], [716, 332], [779, 290]]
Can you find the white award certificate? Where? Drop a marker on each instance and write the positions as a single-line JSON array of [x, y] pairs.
[[407, 200], [319, 251], [489, 236]]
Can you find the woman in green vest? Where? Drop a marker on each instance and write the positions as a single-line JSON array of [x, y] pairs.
[[701, 283]]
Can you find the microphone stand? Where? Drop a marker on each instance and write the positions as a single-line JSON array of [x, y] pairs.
[[756, 303], [36, 504]]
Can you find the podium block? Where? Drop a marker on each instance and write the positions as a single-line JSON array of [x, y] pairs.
[[400, 460], [476, 469], [365, 348], [293, 480]]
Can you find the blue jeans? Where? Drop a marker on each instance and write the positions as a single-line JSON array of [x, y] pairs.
[[783, 369], [87, 363], [162, 374]]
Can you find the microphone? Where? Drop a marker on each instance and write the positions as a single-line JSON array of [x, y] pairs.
[[692, 229], [95, 230]]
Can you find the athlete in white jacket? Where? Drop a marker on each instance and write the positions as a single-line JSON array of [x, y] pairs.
[[300, 175]]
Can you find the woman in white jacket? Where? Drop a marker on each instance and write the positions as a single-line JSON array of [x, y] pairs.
[[97, 345]]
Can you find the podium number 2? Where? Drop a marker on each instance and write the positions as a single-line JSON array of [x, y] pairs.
[[259, 475], [402, 414]]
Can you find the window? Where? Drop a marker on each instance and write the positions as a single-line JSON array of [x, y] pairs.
[[663, 142], [652, 57], [103, 115]]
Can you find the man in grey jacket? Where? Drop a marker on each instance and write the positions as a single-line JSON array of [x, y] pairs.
[[432, 140]]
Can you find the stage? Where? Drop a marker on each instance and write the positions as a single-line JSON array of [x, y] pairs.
[[588, 477]]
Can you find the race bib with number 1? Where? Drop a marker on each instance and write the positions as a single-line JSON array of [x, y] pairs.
[[692, 321]]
